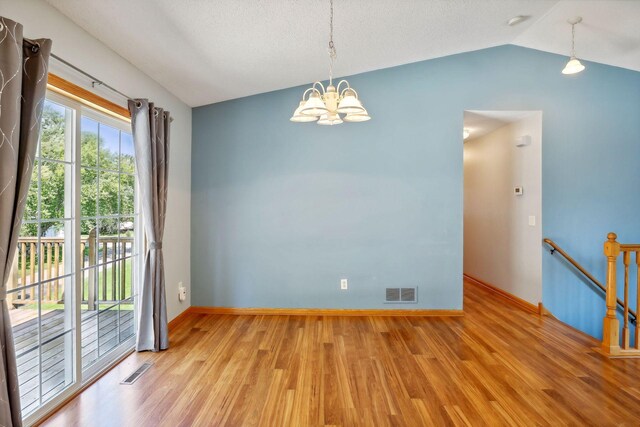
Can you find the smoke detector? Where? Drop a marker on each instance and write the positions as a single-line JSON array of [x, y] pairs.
[[517, 19]]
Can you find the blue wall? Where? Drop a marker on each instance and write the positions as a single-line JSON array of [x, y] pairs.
[[281, 211]]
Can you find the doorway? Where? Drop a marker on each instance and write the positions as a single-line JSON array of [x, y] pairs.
[[503, 201]]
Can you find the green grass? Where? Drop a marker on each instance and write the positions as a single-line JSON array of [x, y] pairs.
[[110, 296], [110, 271]]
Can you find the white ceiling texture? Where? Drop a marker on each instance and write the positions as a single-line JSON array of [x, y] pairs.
[[206, 51], [480, 123]]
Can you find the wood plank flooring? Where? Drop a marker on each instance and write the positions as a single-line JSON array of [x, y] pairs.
[[498, 365]]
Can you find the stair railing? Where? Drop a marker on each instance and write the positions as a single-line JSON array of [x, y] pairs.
[[611, 344], [630, 314]]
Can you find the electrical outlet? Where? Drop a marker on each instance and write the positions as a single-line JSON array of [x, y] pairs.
[[344, 284], [182, 292]]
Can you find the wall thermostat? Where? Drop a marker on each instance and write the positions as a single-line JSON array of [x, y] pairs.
[[518, 191]]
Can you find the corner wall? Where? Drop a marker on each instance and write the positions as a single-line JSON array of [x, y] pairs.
[[81, 49], [500, 246]]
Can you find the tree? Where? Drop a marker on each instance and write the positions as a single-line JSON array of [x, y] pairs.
[[101, 192]]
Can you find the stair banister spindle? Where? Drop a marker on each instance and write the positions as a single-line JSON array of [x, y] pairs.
[[637, 334], [626, 256], [610, 327]]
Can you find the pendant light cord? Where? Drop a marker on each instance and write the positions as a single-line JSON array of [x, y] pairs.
[[332, 48], [573, 40]]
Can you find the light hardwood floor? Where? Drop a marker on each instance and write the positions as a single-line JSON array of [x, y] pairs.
[[498, 365]]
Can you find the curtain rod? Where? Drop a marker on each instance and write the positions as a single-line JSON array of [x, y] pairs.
[[35, 46], [94, 80]]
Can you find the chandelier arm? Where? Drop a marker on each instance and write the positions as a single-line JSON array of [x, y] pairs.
[[308, 90], [351, 89], [338, 87], [321, 86]]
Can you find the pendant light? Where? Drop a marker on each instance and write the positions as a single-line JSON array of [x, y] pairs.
[[325, 105], [573, 66]]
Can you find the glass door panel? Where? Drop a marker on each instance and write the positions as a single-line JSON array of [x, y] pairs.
[[109, 216], [41, 288]]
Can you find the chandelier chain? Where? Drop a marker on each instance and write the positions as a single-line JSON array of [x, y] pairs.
[[332, 48], [573, 40]]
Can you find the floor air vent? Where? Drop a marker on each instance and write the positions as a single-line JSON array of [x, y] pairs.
[[397, 295], [137, 374]]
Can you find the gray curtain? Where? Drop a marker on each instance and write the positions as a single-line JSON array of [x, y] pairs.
[[23, 83], [150, 127]]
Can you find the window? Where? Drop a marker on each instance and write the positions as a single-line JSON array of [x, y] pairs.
[[74, 278]]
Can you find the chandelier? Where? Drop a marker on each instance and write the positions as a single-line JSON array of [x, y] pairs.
[[324, 105]]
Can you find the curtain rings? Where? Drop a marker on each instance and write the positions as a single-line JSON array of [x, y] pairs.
[[1, 26], [138, 104]]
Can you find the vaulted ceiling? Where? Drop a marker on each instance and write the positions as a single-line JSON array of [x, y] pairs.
[[210, 51]]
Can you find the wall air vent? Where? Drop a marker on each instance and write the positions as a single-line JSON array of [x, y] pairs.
[[393, 295], [401, 295], [137, 374]]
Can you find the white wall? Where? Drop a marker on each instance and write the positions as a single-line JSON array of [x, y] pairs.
[[79, 48], [500, 247]]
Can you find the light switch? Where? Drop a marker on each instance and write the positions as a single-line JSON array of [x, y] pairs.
[[532, 220]]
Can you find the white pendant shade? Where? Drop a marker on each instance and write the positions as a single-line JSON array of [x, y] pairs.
[[350, 104], [362, 116], [314, 106], [330, 119], [301, 118], [573, 66]]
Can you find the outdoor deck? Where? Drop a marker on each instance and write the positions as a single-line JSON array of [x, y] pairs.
[[115, 327]]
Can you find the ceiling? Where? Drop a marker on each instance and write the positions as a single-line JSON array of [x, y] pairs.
[[205, 52], [480, 123]]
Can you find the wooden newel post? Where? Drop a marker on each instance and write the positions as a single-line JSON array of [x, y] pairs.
[[610, 327]]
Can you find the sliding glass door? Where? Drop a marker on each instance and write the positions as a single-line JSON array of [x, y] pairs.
[[41, 289], [108, 225], [74, 278]]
